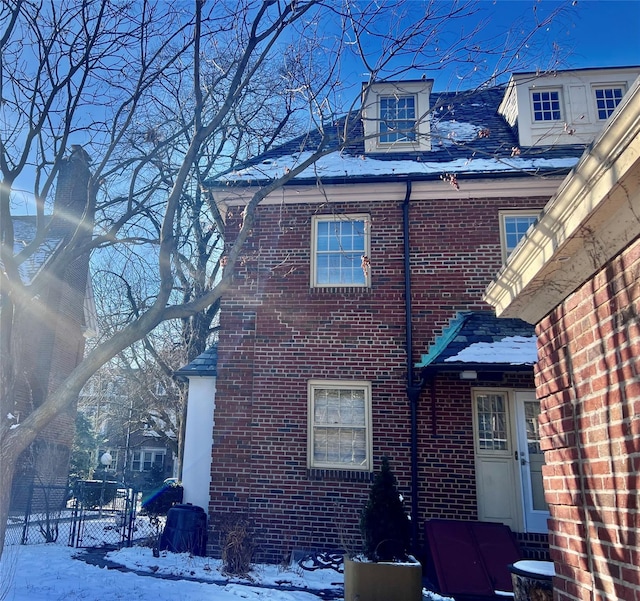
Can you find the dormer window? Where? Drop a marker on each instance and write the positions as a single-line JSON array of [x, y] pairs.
[[564, 107], [397, 119], [546, 105], [395, 116], [607, 99]]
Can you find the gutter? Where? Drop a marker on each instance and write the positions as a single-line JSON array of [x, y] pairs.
[[413, 389], [386, 179]]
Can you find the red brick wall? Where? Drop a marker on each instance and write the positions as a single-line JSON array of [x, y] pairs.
[[588, 381], [277, 333]]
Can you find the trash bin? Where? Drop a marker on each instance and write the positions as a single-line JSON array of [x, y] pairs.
[[532, 580], [185, 530]]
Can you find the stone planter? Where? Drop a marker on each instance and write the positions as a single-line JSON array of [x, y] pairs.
[[383, 581]]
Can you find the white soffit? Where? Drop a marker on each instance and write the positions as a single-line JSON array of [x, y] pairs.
[[527, 186]]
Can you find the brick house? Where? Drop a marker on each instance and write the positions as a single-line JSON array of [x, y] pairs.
[[142, 451], [575, 277], [50, 341], [356, 326]]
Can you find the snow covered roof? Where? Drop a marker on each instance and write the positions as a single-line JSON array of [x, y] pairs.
[[479, 339], [203, 365], [468, 137]]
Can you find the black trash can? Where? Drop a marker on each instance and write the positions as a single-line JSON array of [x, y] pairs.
[[532, 580], [185, 530]]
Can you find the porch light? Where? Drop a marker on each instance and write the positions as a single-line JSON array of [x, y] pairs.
[[469, 375]]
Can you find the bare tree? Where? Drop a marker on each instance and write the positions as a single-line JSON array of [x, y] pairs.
[[163, 95]]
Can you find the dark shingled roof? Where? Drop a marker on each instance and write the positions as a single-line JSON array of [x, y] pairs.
[[203, 365], [472, 327], [478, 108]]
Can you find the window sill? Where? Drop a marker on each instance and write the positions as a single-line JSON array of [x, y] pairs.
[[338, 474], [340, 290]]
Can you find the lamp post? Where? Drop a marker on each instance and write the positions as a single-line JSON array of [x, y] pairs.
[[105, 460]]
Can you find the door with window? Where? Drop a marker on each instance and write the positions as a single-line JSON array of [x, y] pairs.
[[509, 460]]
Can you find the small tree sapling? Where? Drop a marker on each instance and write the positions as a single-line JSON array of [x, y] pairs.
[[384, 523]]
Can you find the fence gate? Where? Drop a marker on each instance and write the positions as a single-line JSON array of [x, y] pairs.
[[103, 515]]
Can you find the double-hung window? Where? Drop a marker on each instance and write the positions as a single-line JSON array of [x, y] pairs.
[[145, 459], [339, 425], [397, 119], [546, 105], [340, 250], [607, 99], [513, 226]]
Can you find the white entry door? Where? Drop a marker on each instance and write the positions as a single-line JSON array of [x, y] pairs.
[[509, 460], [531, 457]]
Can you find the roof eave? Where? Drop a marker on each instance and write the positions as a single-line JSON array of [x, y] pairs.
[[391, 178]]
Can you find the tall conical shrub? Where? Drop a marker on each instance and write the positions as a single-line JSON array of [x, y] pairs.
[[384, 523]]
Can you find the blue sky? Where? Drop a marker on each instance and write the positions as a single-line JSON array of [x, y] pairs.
[[593, 33], [590, 33], [582, 33]]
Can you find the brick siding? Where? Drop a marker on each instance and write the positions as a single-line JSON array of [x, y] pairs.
[[588, 382], [277, 333]]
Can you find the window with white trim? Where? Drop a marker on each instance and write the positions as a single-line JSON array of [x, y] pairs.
[[340, 250], [546, 105], [397, 119], [513, 226], [492, 419], [145, 459], [607, 99], [339, 435]]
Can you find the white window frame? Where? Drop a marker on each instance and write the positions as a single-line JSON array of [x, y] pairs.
[[360, 385], [401, 135], [503, 216], [420, 91], [533, 91], [366, 219], [154, 452], [608, 86]]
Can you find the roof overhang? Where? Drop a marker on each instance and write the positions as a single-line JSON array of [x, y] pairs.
[[477, 342], [593, 216], [389, 189]]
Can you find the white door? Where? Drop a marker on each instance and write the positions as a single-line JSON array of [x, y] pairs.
[[509, 460], [496, 476], [531, 458]]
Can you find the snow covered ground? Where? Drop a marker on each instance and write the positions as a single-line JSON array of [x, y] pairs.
[[54, 573]]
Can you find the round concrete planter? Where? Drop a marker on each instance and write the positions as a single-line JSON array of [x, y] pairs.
[[384, 581]]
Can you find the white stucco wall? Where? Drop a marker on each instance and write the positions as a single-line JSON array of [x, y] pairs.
[[196, 469]]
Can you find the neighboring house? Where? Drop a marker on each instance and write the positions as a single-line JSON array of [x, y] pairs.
[[118, 407], [355, 327], [198, 438], [50, 343], [576, 276]]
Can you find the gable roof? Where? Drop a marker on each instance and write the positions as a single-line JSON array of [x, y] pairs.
[[480, 340], [468, 138]]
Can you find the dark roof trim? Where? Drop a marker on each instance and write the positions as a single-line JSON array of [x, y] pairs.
[[569, 70]]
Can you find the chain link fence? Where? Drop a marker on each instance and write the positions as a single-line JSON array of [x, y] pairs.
[[96, 514]]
